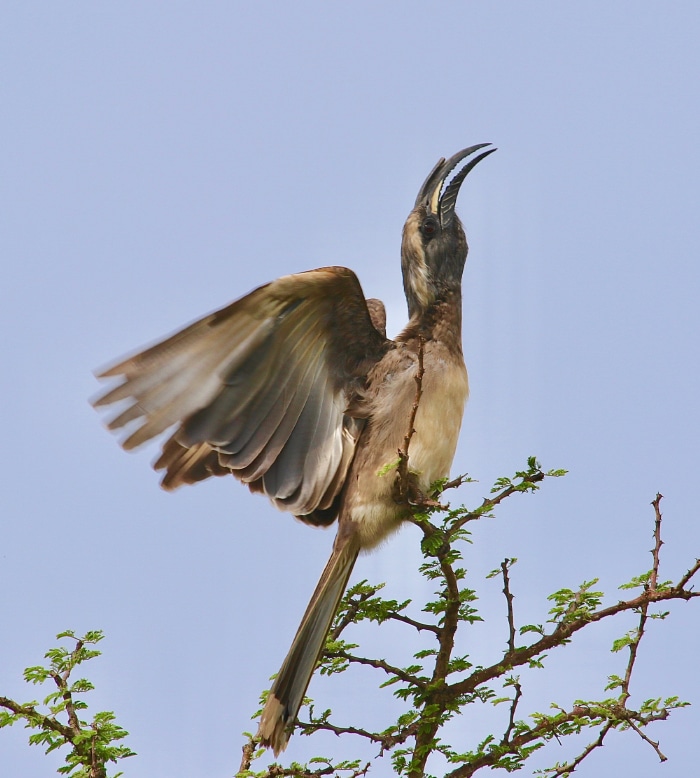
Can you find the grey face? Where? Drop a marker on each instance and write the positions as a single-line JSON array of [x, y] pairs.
[[434, 246]]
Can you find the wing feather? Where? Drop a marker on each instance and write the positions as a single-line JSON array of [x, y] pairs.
[[262, 450], [261, 388]]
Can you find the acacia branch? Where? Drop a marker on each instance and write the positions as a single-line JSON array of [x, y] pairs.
[[450, 621]]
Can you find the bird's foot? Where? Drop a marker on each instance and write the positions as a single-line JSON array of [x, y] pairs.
[[407, 492]]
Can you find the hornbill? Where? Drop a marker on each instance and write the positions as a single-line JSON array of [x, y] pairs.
[[296, 390]]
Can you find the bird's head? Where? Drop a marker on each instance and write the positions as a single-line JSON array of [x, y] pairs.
[[434, 246]]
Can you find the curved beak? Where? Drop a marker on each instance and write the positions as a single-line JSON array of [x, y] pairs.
[[431, 194]]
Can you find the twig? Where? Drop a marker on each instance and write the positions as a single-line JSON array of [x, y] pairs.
[[379, 664], [657, 542], [386, 740], [513, 708], [403, 486], [455, 483], [419, 625], [569, 767], [634, 647], [489, 503], [505, 564], [653, 743], [350, 614], [643, 615], [418, 378], [680, 586]]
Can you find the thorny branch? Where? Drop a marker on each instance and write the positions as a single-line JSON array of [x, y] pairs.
[[643, 615], [406, 491], [518, 689], [513, 708], [655, 552], [680, 586], [420, 372], [505, 564]]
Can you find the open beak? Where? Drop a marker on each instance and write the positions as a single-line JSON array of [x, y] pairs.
[[431, 195]]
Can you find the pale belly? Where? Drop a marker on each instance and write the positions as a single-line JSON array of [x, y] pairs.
[[370, 503]]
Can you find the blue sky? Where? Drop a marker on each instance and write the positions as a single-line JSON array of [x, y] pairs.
[[162, 159]]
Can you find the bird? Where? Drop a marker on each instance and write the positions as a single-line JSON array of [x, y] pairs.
[[296, 390]]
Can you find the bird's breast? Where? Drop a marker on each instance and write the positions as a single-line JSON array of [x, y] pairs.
[[369, 501], [438, 421]]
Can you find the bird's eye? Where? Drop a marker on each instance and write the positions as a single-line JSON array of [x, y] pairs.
[[429, 227]]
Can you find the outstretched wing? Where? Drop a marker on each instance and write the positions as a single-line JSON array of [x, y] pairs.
[[262, 389]]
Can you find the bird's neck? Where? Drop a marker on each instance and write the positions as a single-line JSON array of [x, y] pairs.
[[441, 321]]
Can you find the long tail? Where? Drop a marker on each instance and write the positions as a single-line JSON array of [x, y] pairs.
[[288, 690]]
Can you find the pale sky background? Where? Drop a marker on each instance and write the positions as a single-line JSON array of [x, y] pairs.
[[162, 159]]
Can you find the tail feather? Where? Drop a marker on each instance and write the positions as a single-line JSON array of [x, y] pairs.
[[290, 686]]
